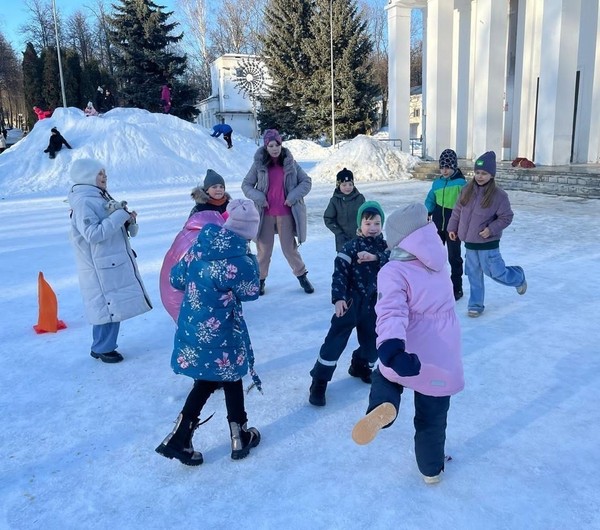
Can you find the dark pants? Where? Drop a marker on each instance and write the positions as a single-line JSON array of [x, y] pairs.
[[202, 390], [454, 258], [360, 315], [227, 138], [430, 421]]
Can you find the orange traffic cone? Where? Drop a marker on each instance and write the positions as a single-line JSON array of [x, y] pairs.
[[48, 313]]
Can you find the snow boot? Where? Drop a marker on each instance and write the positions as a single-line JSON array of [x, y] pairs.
[[178, 444], [317, 392], [305, 284], [360, 368], [367, 428], [261, 288], [242, 440]]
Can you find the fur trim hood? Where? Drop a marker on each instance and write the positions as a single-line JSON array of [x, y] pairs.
[[201, 197]]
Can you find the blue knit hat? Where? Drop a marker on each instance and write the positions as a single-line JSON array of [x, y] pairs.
[[448, 159], [371, 207], [487, 162]]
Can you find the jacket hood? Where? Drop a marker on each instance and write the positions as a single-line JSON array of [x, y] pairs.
[[425, 244], [216, 243]]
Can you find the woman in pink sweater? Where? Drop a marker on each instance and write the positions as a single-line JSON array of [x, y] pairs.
[[415, 313]]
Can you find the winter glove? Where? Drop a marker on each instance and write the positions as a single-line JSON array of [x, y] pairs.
[[112, 206], [132, 228], [392, 354]]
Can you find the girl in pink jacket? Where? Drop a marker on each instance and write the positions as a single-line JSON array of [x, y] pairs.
[[415, 313]]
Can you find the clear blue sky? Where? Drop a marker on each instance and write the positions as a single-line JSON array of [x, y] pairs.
[[10, 23]]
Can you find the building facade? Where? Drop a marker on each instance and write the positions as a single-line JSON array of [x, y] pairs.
[[519, 77], [236, 81]]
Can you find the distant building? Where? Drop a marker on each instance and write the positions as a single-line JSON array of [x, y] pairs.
[[236, 80], [520, 77], [416, 109]]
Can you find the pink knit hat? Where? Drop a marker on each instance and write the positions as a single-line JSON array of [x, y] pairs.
[[272, 134], [243, 218]]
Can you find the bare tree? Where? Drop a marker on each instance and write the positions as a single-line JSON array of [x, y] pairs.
[[238, 24], [79, 36], [12, 102], [39, 30], [101, 33]]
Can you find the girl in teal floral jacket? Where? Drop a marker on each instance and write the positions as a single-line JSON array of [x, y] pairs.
[[212, 344]]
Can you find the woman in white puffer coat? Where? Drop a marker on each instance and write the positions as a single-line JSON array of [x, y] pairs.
[[109, 279]]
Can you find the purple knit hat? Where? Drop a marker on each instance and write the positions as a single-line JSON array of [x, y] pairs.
[[272, 134], [487, 162]]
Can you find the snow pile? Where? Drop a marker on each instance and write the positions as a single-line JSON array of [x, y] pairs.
[[369, 159], [139, 148], [307, 150]]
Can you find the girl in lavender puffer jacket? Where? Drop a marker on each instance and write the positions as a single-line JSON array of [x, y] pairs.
[[415, 313]]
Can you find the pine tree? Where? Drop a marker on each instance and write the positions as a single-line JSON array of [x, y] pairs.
[[354, 90], [32, 81], [144, 60], [286, 22]]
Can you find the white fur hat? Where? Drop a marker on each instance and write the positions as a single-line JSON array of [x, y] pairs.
[[85, 171], [243, 218]]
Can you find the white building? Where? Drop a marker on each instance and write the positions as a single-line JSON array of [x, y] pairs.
[[519, 77], [236, 80]]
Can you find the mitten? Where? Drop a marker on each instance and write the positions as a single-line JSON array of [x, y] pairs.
[[112, 205], [132, 228], [392, 354]]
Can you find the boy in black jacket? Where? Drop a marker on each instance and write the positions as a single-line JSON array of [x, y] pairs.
[[56, 142], [354, 294]]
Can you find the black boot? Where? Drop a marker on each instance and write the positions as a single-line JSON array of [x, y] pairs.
[[178, 444], [458, 293], [305, 284], [242, 440], [317, 392], [360, 368], [261, 288]]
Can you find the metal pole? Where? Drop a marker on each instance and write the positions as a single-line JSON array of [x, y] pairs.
[[60, 71], [331, 50]]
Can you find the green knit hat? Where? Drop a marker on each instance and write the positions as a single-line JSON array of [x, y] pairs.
[[370, 206]]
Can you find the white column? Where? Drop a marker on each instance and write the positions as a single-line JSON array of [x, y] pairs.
[[438, 71], [587, 136], [558, 67], [399, 72], [488, 75], [527, 60], [460, 80]]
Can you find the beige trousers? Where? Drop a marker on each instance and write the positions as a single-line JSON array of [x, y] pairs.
[[284, 226]]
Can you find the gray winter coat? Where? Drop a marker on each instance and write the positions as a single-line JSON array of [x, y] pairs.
[[297, 184], [109, 279]]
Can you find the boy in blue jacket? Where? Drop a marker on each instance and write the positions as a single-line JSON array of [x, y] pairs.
[[440, 201], [226, 131]]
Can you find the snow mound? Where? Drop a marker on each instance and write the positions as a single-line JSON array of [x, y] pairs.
[[369, 159], [306, 150], [138, 148]]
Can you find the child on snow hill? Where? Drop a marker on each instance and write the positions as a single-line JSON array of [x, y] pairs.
[[340, 214], [481, 213], [212, 194], [415, 313], [353, 292], [55, 143], [225, 130], [212, 344], [439, 202]]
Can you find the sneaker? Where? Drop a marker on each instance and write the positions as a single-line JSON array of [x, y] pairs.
[[367, 428], [458, 294], [305, 284], [261, 288], [432, 480], [522, 288], [473, 313], [110, 357]]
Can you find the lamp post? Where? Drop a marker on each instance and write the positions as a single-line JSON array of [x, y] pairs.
[[331, 58], [60, 71]]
